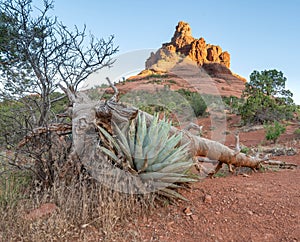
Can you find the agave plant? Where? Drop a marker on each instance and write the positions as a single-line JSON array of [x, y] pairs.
[[152, 153]]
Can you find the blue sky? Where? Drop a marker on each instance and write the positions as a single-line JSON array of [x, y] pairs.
[[259, 35]]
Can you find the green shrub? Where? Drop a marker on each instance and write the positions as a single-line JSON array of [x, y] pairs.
[[158, 76], [195, 100], [297, 132], [245, 150], [266, 99], [13, 183], [274, 131], [232, 104]]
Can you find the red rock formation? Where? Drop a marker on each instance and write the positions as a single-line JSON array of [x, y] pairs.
[[183, 43], [180, 59]]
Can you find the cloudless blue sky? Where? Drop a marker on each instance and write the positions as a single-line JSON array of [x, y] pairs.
[[259, 34]]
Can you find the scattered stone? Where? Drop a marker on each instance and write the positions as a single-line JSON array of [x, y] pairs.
[[208, 199], [170, 223], [187, 211], [43, 210], [245, 175]]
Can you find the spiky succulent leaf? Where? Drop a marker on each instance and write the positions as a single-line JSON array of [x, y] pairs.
[[179, 167], [160, 160], [166, 192], [131, 137], [169, 177], [109, 138], [109, 153], [139, 142], [151, 137], [168, 148], [122, 141]]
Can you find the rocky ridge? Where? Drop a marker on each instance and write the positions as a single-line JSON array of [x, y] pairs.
[[178, 62], [182, 45]]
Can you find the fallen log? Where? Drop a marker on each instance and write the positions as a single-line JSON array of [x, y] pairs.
[[87, 115]]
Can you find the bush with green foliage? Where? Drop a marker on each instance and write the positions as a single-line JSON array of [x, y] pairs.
[[17, 117], [245, 149], [274, 131], [13, 184], [195, 100], [266, 98], [232, 104], [297, 132]]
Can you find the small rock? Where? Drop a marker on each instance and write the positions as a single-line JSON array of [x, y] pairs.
[[187, 211], [43, 210], [170, 223], [208, 199], [218, 213], [245, 175], [250, 212]]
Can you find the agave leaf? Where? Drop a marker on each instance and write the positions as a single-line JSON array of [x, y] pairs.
[[169, 147], [179, 159], [157, 144], [122, 141], [161, 185], [151, 137], [109, 138], [177, 167], [109, 153], [152, 130], [167, 177], [182, 179], [175, 156], [154, 155], [156, 167], [145, 165], [131, 137], [164, 130], [178, 154], [159, 175], [140, 136], [127, 154], [158, 148], [171, 194]]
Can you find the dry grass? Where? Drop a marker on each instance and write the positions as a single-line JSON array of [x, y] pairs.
[[86, 210]]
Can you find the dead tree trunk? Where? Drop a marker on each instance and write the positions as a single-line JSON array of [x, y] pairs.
[[86, 116], [110, 110]]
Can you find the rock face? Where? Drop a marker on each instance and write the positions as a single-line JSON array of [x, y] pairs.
[[190, 64], [184, 45]]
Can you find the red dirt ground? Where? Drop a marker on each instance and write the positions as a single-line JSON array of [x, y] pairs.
[[246, 206], [261, 206]]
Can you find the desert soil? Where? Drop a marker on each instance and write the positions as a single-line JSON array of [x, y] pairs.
[[246, 206]]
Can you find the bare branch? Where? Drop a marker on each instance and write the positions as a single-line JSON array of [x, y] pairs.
[[115, 97]]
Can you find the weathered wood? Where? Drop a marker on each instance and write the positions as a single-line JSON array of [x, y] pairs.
[[59, 128], [87, 115]]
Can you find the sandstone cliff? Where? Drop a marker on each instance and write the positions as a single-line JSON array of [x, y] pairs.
[[184, 45], [176, 64]]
